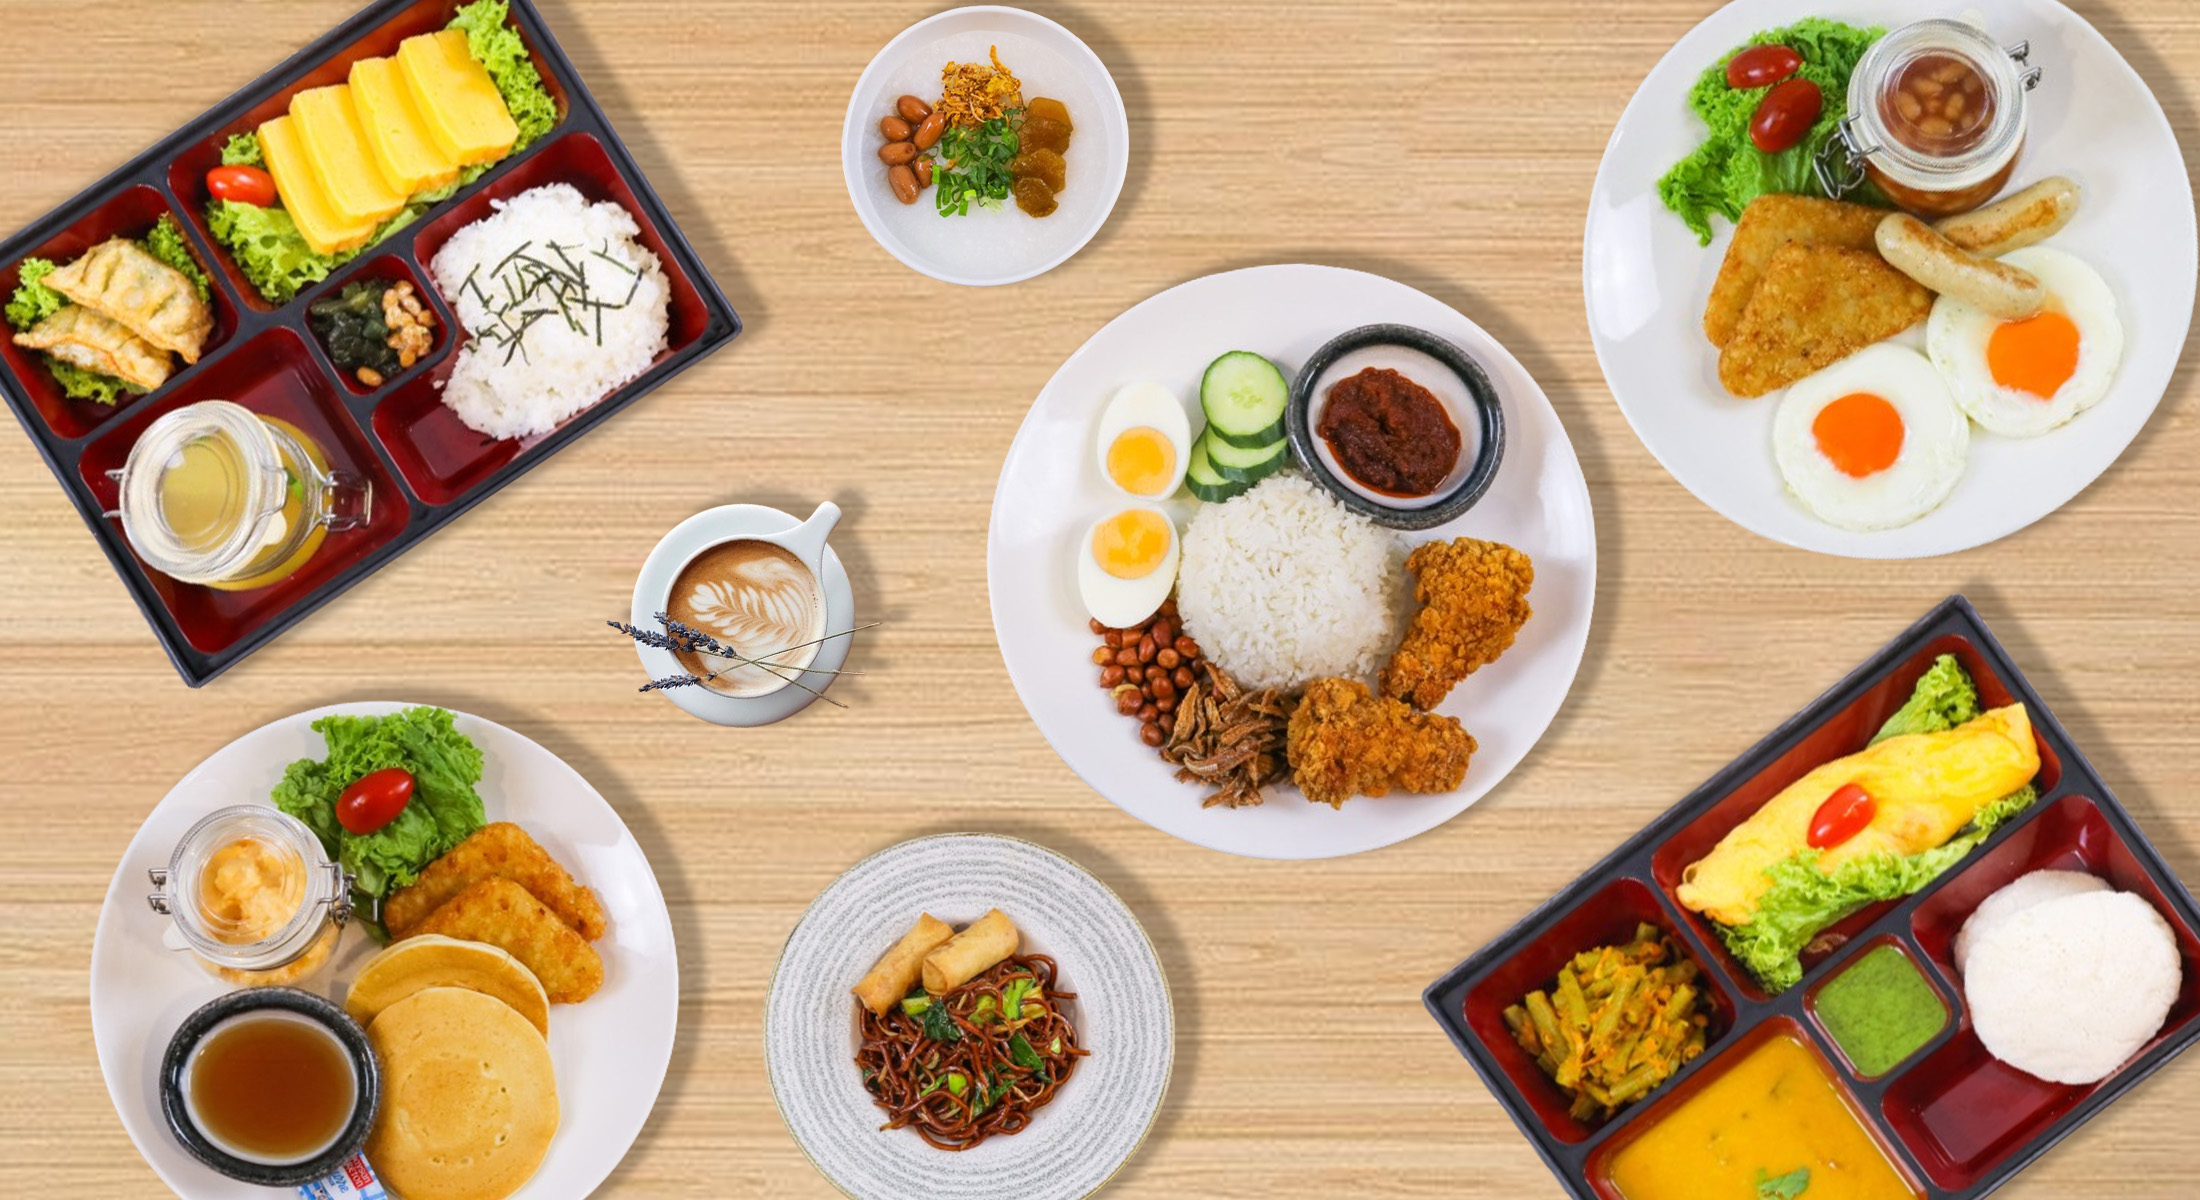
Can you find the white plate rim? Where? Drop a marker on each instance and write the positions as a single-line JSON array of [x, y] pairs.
[[655, 913], [1153, 956], [1498, 359], [1819, 537], [854, 122]]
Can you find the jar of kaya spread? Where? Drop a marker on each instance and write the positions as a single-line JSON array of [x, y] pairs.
[[254, 896], [1936, 118]]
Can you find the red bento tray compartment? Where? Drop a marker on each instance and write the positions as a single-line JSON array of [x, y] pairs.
[[1598, 1169], [1843, 733], [1960, 1110], [1607, 917], [439, 456], [131, 213], [187, 173], [274, 374]]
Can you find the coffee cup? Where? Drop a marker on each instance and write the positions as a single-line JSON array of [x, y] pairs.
[[762, 587]]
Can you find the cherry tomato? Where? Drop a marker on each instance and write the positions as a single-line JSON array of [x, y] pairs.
[[245, 185], [374, 799], [1841, 817], [1785, 114], [1762, 66]]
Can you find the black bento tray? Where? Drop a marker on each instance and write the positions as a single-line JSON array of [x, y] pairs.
[[2076, 822], [425, 467]]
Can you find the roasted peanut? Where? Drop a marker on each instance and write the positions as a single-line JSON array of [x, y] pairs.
[[923, 168], [1167, 723], [912, 109], [1093, 623], [1166, 706], [1135, 674], [1110, 676], [1188, 648], [1163, 632], [894, 129], [898, 154], [1147, 650], [1150, 733], [1127, 700], [903, 181], [1147, 712], [1167, 658], [1113, 638], [928, 133], [1183, 678], [1127, 656], [1160, 688], [370, 377]]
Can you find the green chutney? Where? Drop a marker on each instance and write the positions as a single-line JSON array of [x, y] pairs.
[[1880, 1011]]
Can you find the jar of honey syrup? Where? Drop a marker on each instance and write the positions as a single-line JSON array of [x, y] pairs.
[[1936, 119], [216, 494]]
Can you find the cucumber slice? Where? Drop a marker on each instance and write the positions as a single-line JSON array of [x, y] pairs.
[[1244, 396], [1240, 465], [1206, 482]]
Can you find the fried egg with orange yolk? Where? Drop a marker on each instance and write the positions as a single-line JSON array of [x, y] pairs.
[[2022, 378], [1126, 565], [1873, 441]]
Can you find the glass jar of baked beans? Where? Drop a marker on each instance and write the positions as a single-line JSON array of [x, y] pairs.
[[1936, 118]]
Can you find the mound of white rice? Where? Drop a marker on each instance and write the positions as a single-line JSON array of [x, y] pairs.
[[529, 248], [1283, 585]]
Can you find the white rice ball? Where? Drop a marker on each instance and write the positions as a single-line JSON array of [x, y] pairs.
[[2068, 990], [2026, 891]]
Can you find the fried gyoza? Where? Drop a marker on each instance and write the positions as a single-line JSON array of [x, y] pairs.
[[81, 337], [503, 914], [1345, 742], [1474, 599], [1770, 222], [121, 280], [501, 850], [1816, 306]]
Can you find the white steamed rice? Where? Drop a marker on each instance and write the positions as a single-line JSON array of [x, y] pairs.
[[561, 370], [1283, 585]]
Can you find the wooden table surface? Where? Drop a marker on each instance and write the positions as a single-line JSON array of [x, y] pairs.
[[1450, 145]]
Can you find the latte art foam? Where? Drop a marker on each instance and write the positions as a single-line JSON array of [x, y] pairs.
[[757, 599]]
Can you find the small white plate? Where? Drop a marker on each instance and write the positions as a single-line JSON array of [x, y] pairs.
[[1051, 490], [610, 1051], [1123, 1014], [1646, 280], [987, 248], [654, 583]]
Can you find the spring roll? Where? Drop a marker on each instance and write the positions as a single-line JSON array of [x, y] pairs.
[[971, 953], [896, 973]]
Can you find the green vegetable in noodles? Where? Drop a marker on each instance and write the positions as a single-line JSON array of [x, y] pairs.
[[1726, 172], [916, 1002], [939, 1024], [444, 809], [1021, 1053], [500, 50]]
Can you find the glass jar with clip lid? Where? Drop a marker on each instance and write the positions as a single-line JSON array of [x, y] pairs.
[[216, 494], [254, 895], [1936, 119]]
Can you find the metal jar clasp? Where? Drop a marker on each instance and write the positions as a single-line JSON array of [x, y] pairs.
[[1839, 163], [2021, 53]]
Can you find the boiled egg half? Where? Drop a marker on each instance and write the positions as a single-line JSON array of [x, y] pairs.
[[1126, 566], [1873, 441], [1145, 441], [2022, 378]]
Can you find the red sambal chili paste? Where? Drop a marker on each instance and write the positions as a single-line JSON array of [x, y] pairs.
[[1390, 433]]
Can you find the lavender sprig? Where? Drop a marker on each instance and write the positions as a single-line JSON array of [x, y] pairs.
[[679, 637]]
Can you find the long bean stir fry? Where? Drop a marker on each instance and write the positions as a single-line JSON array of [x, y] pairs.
[[1619, 1021]]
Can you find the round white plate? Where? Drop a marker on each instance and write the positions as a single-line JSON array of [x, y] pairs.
[[1051, 491], [1646, 280], [1122, 1012], [609, 1051], [999, 246]]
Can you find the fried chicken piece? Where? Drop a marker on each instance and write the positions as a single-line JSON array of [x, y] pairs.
[[1474, 599], [1816, 306], [1770, 222], [1346, 742], [500, 850], [503, 914]]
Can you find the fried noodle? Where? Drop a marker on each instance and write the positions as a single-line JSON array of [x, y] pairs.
[[994, 1073]]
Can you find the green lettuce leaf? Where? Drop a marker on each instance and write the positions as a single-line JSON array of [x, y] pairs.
[[165, 242], [268, 248], [1726, 172], [499, 49], [1944, 698], [444, 809], [243, 150], [33, 300]]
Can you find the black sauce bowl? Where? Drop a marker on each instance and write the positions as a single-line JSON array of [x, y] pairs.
[[365, 1069], [1298, 426]]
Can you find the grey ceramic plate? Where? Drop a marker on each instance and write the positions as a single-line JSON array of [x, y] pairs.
[[1122, 1011]]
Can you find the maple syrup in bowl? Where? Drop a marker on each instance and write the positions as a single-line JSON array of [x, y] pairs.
[[273, 1086]]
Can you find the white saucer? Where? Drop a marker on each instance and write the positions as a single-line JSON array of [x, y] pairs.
[[987, 248], [688, 539]]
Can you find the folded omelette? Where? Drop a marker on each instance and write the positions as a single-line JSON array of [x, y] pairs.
[[1927, 787]]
